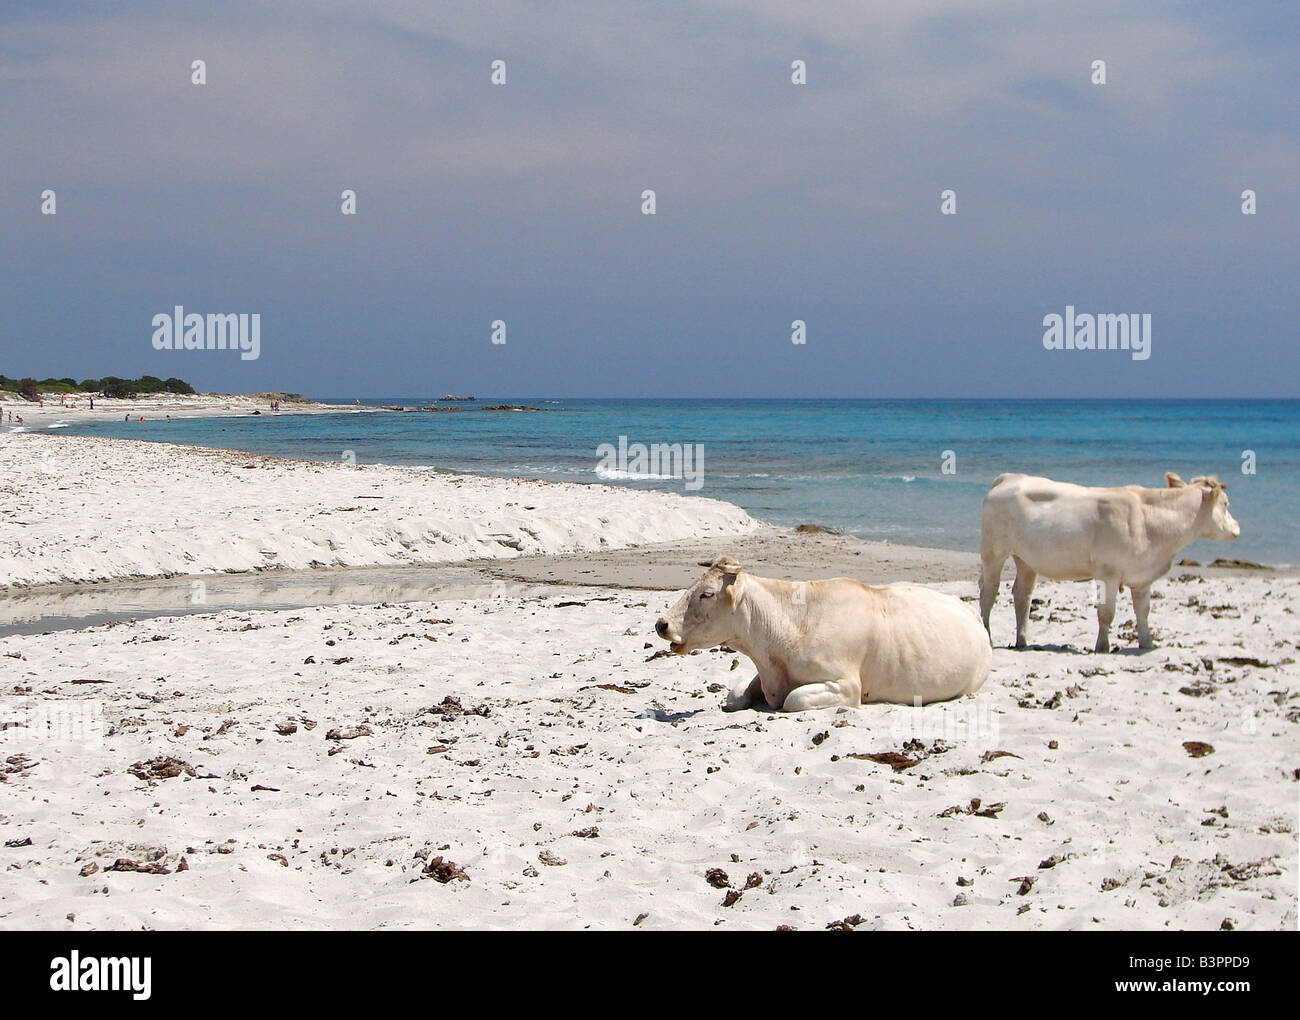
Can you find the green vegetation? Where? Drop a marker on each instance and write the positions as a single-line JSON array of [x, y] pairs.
[[109, 386]]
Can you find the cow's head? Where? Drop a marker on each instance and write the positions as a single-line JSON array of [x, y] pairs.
[[1220, 524], [705, 615]]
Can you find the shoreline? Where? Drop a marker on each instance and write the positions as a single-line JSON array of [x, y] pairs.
[[763, 546], [219, 406]]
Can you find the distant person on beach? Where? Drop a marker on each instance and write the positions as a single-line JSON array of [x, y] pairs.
[[92, 403], [169, 419]]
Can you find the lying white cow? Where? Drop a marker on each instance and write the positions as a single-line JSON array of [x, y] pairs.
[[819, 644], [1122, 536]]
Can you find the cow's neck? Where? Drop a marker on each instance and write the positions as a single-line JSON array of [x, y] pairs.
[[1175, 519], [766, 623]]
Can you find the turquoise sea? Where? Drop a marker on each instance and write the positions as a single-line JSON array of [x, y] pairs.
[[874, 468]]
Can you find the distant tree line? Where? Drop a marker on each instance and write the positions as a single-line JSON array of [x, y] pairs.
[[109, 386]]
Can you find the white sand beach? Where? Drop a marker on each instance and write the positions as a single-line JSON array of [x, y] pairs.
[[537, 761], [73, 408]]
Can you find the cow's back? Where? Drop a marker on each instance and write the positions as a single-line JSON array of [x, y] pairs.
[[1057, 528]]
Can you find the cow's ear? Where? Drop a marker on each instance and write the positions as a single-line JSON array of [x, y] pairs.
[[1173, 481], [724, 563], [734, 591]]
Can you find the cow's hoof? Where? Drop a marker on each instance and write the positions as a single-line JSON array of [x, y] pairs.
[[1020, 645], [1101, 649]]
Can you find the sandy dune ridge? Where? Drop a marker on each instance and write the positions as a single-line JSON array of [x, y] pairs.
[[89, 509]]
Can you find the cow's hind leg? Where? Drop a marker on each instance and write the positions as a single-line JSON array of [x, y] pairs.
[[831, 694], [745, 694], [1106, 611], [1141, 607], [990, 578], [1020, 593]]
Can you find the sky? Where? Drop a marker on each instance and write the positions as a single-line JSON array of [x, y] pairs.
[[774, 202]]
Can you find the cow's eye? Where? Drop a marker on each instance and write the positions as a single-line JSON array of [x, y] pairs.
[[706, 594]]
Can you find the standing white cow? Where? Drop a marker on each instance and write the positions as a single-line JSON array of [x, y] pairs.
[[819, 644], [1125, 536]]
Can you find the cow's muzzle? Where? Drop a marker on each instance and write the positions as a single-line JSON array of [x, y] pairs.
[[665, 629]]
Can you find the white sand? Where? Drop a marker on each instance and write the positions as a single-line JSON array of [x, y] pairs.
[[88, 509], [1150, 837]]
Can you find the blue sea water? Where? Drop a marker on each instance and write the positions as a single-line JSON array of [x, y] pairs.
[[873, 468]]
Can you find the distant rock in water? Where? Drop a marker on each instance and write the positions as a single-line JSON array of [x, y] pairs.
[[449, 396], [1239, 564], [512, 407], [815, 529], [283, 397]]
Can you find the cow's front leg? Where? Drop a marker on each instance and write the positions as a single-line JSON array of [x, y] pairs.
[[830, 694], [1106, 611], [1141, 607], [745, 694]]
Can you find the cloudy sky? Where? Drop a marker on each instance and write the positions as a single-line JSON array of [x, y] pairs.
[[775, 202]]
